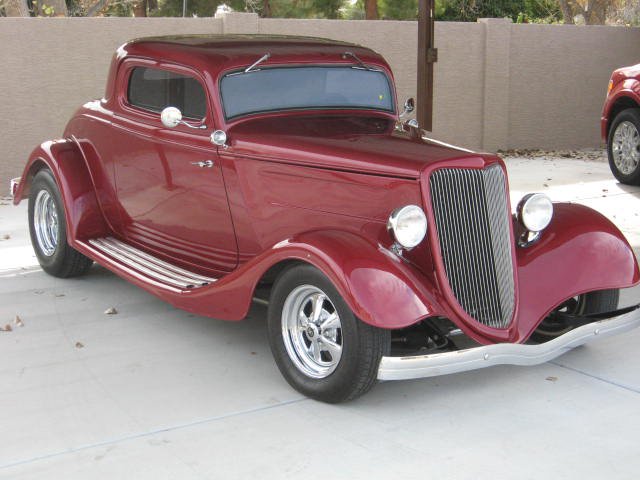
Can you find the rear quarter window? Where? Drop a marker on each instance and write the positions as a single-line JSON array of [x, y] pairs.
[[155, 89]]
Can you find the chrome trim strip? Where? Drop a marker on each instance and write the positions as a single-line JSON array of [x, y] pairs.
[[421, 366], [115, 249], [443, 144], [149, 264], [134, 252], [101, 245], [103, 258]]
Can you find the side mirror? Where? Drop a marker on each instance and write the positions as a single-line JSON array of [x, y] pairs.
[[171, 117], [409, 106], [219, 138]]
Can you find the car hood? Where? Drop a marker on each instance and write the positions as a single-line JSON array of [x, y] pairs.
[[353, 143]]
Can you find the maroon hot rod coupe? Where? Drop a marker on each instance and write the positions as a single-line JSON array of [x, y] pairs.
[[621, 124], [220, 170]]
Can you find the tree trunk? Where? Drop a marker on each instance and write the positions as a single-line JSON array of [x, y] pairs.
[[266, 9], [140, 8], [59, 7], [567, 12], [16, 8], [597, 12], [371, 9]]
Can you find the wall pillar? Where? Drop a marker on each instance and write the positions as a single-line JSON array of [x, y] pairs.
[[495, 125], [238, 22]]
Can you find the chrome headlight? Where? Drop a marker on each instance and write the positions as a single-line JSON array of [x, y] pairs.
[[535, 211], [408, 225]]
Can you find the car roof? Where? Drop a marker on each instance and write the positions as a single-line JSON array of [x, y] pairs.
[[216, 53]]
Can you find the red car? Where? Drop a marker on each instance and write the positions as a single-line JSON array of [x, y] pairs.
[[216, 171], [620, 124]]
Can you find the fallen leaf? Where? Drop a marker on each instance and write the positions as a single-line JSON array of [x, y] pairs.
[[111, 311], [545, 185], [253, 353], [18, 321], [79, 345], [6, 237], [6, 328], [551, 379]]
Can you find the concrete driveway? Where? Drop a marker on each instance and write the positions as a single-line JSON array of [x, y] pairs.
[[156, 393]]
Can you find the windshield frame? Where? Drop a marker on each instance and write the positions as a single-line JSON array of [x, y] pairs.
[[374, 68]]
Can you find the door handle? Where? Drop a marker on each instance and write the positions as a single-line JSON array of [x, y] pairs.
[[205, 164]]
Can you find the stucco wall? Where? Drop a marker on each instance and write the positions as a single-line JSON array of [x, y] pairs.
[[558, 80], [497, 85]]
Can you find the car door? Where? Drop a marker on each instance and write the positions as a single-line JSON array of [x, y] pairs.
[[169, 180]]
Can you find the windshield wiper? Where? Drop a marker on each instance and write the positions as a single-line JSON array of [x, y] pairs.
[[264, 58], [360, 63]]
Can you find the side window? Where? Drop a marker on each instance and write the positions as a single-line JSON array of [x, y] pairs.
[[153, 89]]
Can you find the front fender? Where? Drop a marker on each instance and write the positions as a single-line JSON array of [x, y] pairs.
[[64, 159], [627, 91], [580, 251], [381, 289]]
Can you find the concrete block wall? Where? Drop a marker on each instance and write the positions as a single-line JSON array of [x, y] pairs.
[[497, 85]]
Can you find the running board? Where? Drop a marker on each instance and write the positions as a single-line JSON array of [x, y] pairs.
[[148, 265]]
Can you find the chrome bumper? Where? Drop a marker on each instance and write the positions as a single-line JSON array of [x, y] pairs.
[[13, 188], [420, 366]]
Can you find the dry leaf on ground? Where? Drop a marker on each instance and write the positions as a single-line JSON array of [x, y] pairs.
[[79, 345], [6, 328]]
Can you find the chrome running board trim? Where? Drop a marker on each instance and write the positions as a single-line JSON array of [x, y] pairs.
[[149, 265], [139, 253], [421, 366]]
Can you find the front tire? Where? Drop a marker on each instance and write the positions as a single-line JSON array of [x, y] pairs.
[[623, 146], [319, 345], [554, 325], [47, 227]]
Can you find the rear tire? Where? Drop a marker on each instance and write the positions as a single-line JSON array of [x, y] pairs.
[[319, 345], [47, 227], [623, 146], [553, 326]]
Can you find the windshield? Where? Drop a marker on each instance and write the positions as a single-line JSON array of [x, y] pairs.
[[305, 88]]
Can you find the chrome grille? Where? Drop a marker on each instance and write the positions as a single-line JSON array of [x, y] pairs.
[[472, 221]]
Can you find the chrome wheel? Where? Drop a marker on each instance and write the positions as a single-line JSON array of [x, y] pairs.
[[625, 147], [45, 222], [312, 331]]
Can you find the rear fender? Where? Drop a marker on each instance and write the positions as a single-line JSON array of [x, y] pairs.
[[581, 251], [65, 160]]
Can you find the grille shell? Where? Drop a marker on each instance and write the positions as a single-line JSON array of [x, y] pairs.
[[472, 218]]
